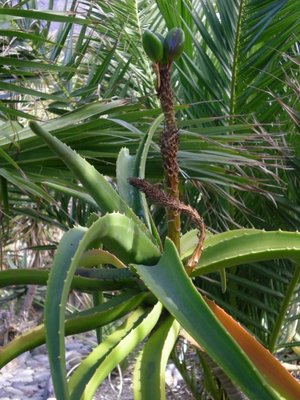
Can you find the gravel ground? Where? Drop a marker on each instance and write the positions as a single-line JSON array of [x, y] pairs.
[[28, 376]]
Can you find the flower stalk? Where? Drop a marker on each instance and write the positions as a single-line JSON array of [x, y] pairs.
[[169, 141], [163, 51]]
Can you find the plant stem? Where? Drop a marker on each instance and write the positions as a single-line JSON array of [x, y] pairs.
[[169, 141]]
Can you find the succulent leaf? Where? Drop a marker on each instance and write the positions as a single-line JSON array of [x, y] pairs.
[[153, 46], [174, 44]]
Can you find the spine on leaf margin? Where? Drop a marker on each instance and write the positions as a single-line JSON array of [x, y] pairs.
[[94, 182]]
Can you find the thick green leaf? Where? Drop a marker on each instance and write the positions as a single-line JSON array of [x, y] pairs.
[[94, 257], [110, 353], [89, 365], [56, 298], [170, 284], [135, 166], [149, 374], [246, 246], [124, 171], [117, 233], [94, 182], [86, 280]]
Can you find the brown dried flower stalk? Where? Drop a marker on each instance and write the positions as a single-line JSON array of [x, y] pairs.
[[169, 141], [158, 196]]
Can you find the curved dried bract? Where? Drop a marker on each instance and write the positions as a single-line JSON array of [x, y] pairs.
[[158, 196]]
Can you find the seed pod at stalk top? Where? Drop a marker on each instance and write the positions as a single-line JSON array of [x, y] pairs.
[[153, 46], [174, 44]]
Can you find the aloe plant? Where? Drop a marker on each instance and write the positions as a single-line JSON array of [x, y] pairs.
[[151, 279], [157, 298]]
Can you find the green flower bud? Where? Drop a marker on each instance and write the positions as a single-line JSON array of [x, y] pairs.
[[174, 44], [153, 46], [163, 60]]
